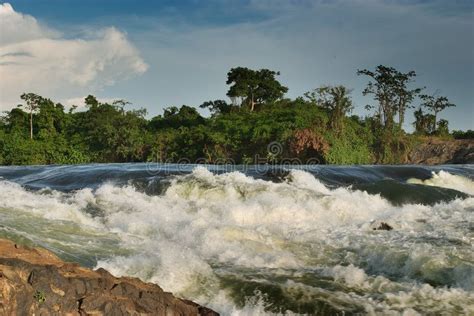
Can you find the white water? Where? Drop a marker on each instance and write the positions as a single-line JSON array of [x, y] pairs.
[[208, 226], [444, 179]]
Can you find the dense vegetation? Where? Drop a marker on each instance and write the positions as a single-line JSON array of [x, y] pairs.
[[258, 126]]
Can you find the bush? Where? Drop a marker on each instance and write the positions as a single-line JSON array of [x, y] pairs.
[[469, 134]]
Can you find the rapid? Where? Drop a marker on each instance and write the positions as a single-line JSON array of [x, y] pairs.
[[257, 240]]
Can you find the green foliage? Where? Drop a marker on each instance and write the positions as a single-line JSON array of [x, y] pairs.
[[2, 145], [424, 123], [435, 105], [218, 107], [103, 133], [469, 134], [353, 146], [254, 87], [336, 100], [33, 102], [109, 133], [316, 127], [390, 89], [442, 128]]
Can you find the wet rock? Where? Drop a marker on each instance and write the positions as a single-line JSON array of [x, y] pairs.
[[34, 281], [383, 226]]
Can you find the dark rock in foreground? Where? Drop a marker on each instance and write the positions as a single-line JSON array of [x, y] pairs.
[[34, 281]]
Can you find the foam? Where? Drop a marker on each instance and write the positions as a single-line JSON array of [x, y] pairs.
[[444, 179], [206, 225], [50, 205]]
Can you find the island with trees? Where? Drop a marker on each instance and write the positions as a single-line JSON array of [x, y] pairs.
[[317, 126]]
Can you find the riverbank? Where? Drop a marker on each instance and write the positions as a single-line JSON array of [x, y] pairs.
[[35, 281], [434, 151]]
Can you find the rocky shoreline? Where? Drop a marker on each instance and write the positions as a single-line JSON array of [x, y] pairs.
[[437, 152], [34, 281]]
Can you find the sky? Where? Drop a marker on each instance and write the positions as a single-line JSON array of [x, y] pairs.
[[156, 54]]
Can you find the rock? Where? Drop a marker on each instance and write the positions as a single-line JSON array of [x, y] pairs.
[[436, 151], [383, 226], [33, 281]]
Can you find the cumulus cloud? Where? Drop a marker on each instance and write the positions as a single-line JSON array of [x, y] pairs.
[[36, 58]]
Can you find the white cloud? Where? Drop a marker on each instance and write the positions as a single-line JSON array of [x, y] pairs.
[[16, 27], [35, 58]]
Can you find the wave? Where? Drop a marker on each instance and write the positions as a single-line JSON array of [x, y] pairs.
[[243, 245], [444, 179]]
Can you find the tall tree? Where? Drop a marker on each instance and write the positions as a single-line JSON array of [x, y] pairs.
[[403, 95], [390, 88], [17, 121], [32, 104], [50, 118], [334, 98], [435, 104], [254, 86]]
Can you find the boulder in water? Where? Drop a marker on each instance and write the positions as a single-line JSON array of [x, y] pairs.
[[383, 226]]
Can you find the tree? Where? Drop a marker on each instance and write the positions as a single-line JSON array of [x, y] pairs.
[[334, 98], [404, 96], [424, 123], [170, 112], [32, 103], [390, 89], [108, 132], [174, 117], [17, 121], [217, 107], [442, 128], [50, 119], [435, 104], [254, 87], [91, 101], [469, 134]]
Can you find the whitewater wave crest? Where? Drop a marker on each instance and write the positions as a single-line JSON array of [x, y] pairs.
[[298, 237], [447, 180]]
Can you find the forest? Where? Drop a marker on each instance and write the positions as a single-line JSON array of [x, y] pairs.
[[257, 125]]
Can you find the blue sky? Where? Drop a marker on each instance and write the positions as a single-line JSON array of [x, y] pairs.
[[161, 53]]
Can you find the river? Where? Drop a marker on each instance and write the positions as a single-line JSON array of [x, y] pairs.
[[255, 240]]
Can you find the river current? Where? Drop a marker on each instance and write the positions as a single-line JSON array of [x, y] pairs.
[[256, 240]]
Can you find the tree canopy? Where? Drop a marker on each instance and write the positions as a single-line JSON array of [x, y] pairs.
[[263, 128], [390, 89], [336, 100], [253, 87]]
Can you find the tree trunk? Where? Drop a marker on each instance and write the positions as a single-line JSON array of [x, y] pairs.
[[31, 124], [388, 118], [252, 102], [401, 116], [381, 114]]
